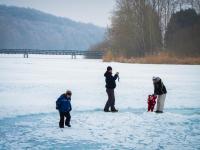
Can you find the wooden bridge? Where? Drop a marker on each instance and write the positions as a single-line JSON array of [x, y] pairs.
[[73, 53]]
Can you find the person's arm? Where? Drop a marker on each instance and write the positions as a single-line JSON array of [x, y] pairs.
[[110, 78], [163, 88], [116, 76], [70, 106], [160, 87], [154, 89], [58, 102]]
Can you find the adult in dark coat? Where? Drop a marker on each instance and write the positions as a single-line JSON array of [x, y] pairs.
[[160, 90], [110, 86]]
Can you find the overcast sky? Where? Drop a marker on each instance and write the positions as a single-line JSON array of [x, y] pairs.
[[97, 12]]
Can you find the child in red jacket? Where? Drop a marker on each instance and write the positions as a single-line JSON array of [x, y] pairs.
[[151, 102]]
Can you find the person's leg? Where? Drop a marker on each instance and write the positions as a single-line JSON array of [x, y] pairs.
[[158, 103], [152, 108], [61, 123], [149, 107], [112, 100], [162, 101], [68, 118], [106, 108]]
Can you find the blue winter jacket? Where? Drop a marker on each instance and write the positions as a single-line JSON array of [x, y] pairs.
[[63, 103]]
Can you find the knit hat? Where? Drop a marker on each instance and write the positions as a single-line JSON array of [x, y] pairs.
[[154, 78], [68, 92], [109, 68]]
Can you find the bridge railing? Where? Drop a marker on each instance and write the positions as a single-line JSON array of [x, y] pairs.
[[73, 53]]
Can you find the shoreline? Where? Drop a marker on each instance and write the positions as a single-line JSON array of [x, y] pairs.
[[161, 58]]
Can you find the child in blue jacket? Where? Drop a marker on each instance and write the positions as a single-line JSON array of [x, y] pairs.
[[63, 105]]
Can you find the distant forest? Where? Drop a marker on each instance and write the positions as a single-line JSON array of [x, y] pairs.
[[29, 28], [142, 28]]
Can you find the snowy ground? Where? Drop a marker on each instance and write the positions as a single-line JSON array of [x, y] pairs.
[[30, 87]]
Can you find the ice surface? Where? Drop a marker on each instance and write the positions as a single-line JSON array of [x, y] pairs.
[[30, 87]]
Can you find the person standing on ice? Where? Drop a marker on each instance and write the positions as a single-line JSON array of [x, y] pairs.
[[160, 90], [63, 105], [110, 86]]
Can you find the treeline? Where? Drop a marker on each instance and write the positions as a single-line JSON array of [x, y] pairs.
[[33, 29], [141, 28], [183, 33]]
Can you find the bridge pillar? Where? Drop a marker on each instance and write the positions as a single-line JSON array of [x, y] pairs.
[[25, 55], [73, 55]]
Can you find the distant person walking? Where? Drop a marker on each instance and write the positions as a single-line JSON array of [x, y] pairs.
[[63, 105], [160, 90], [110, 86]]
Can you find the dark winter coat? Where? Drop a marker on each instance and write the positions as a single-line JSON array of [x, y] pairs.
[[63, 103], [159, 88], [110, 80]]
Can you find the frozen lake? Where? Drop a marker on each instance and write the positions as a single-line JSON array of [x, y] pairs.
[[30, 87]]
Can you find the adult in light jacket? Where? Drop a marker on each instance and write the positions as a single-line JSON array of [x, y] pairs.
[[160, 91]]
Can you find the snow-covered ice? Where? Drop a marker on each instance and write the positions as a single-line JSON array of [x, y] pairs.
[[30, 87]]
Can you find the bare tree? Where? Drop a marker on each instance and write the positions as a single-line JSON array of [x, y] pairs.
[[135, 28]]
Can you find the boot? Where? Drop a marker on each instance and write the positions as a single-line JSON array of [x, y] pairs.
[[68, 125], [114, 110], [105, 110], [157, 111]]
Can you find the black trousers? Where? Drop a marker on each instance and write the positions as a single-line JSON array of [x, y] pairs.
[[62, 119], [111, 100]]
